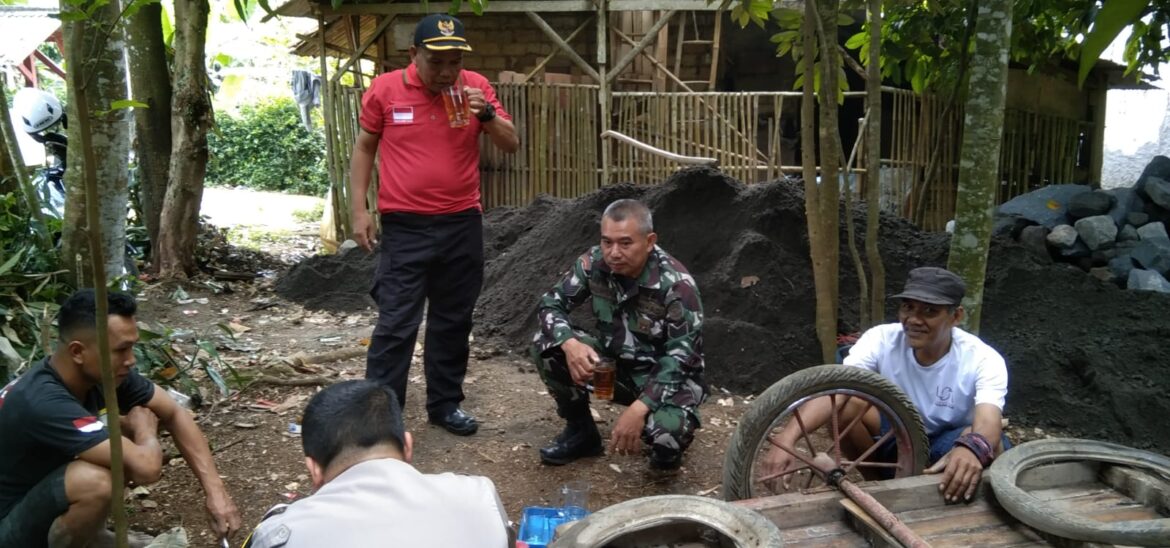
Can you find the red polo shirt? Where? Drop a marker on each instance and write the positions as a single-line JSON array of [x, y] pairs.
[[425, 165]]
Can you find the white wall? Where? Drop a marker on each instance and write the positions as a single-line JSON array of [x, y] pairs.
[[1137, 128]]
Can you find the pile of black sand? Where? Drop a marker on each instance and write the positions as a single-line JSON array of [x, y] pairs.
[[1084, 356], [336, 283]]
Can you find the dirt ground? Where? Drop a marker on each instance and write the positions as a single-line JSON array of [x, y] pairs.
[[262, 463], [1083, 355]]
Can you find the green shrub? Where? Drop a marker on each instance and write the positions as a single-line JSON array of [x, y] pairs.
[[266, 147]]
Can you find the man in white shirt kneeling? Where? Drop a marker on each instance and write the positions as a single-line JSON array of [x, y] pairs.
[[367, 493], [956, 381]]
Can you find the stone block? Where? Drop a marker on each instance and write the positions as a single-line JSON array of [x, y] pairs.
[[1062, 236], [1159, 167], [1102, 273], [1137, 218], [1152, 254], [1034, 239], [1152, 230], [1125, 201], [1158, 189], [1097, 231], [1046, 206], [1120, 266], [1146, 280], [1002, 225], [1101, 257], [1089, 204], [1128, 234]]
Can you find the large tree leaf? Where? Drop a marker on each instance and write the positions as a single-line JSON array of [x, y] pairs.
[[1114, 16]]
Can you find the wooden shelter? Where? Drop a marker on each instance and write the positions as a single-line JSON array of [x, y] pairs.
[[666, 73]]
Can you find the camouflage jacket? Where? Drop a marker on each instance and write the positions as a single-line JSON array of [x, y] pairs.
[[656, 322]]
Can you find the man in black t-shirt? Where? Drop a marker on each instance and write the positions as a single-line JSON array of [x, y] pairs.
[[54, 445]]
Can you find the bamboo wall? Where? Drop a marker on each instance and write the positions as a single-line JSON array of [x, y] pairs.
[[560, 145], [558, 128], [1037, 150]]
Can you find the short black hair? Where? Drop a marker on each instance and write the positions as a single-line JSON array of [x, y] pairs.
[[79, 311], [350, 415], [628, 208]]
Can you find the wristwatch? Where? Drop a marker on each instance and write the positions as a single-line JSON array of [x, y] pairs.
[[487, 114]]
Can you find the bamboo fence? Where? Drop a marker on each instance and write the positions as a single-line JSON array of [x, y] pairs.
[[559, 145], [560, 154]]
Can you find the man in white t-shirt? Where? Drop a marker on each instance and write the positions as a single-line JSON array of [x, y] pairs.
[[367, 493], [956, 381]]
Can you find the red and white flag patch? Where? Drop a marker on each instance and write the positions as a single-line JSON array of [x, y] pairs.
[[88, 424]]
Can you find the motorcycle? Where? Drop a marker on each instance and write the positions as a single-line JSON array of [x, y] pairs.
[[41, 115]]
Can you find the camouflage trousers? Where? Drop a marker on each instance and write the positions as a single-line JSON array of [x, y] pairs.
[[669, 429]]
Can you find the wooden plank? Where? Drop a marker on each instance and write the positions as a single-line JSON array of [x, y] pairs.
[[519, 6], [836, 534], [1058, 475], [870, 529], [897, 495]]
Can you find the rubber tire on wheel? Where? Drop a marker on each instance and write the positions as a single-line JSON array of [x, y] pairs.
[[1021, 504], [745, 527], [757, 421]]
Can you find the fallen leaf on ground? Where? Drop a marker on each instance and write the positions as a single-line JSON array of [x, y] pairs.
[[748, 281], [238, 328], [615, 468], [149, 504], [726, 402], [245, 425]]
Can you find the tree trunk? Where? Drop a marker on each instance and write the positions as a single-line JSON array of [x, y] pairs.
[[97, 57], [150, 81], [191, 117], [873, 163], [979, 159], [826, 319], [8, 180]]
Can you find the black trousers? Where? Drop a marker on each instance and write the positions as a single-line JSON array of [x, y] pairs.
[[435, 258]]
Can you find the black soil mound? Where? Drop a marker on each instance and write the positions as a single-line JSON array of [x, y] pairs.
[[1083, 355], [337, 283]]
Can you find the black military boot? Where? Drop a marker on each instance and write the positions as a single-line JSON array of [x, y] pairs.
[[580, 437], [664, 458]]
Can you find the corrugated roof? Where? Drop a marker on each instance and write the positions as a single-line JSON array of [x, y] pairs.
[[23, 29]]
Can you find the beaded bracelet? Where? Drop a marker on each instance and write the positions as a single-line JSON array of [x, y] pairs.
[[978, 445]]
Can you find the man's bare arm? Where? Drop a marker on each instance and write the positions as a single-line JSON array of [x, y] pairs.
[[503, 134], [141, 456], [193, 446]]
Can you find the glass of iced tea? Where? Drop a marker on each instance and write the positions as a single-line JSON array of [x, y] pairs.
[[603, 378], [458, 108]]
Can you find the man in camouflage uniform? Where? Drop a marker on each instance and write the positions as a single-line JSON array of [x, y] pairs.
[[649, 320]]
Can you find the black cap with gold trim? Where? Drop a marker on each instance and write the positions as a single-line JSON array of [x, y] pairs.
[[440, 32]]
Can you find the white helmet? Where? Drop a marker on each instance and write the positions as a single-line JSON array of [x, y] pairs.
[[38, 109]]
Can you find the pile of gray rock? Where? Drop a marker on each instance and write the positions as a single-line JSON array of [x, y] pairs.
[[1118, 235]]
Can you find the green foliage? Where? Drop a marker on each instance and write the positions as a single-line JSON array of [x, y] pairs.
[[160, 356], [265, 147], [1113, 17], [30, 282], [789, 42], [310, 215]]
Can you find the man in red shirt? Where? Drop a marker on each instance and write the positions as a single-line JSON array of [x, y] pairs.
[[432, 224]]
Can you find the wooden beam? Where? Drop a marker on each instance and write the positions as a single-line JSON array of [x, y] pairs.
[[639, 47], [49, 64], [604, 94], [540, 66], [361, 50], [565, 47], [520, 6]]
